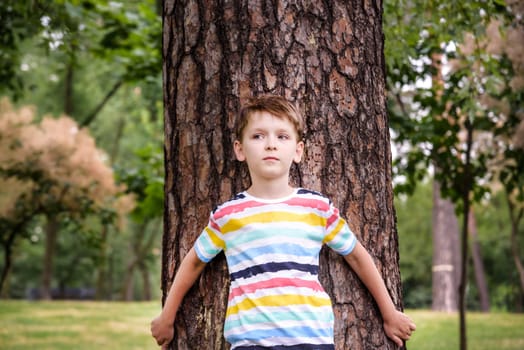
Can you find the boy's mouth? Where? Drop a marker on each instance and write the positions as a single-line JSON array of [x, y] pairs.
[[270, 158]]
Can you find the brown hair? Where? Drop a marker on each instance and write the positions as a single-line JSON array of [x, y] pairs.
[[274, 105]]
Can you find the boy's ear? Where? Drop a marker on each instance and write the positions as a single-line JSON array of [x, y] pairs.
[[299, 152], [239, 153]]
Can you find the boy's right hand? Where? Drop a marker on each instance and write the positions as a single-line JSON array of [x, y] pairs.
[[162, 331]]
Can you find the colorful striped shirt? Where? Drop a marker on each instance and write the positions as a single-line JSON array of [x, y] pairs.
[[272, 250]]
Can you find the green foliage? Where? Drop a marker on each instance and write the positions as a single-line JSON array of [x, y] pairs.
[[145, 180], [129, 37], [16, 24], [91, 47], [418, 35], [452, 101], [415, 248], [132, 39], [494, 228]]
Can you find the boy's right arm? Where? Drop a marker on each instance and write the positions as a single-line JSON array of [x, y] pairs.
[[162, 326]]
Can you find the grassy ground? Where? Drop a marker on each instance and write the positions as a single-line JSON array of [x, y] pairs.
[[440, 331], [76, 325], [92, 325]]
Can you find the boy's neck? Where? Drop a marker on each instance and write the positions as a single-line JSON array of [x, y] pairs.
[[270, 190]]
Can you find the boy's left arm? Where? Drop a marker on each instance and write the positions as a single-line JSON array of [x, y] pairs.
[[397, 325]]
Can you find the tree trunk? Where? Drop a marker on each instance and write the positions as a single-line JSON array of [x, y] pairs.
[[478, 265], [51, 234], [516, 214], [146, 282], [139, 247], [328, 57], [446, 254], [128, 285], [8, 245], [69, 85], [102, 291]]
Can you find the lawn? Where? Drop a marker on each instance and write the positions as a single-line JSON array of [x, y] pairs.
[[76, 325], [104, 325], [440, 331]]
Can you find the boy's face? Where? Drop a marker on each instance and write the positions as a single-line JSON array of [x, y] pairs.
[[269, 146]]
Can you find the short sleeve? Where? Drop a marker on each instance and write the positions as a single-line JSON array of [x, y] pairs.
[[210, 241], [339, 236]]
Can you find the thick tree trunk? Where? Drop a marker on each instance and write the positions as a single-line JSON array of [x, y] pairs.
[[446, 254], [478, 265], [328, 57]]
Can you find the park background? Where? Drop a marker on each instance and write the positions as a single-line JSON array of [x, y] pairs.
[[83, 104]]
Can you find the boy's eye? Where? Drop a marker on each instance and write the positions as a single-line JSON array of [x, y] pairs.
[[283, 136], [257, 136]]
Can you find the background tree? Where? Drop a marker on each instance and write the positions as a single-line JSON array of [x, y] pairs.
[[61, 173], [328, 57], [89, 58], [415, 245], [464, 164], [146, 182]]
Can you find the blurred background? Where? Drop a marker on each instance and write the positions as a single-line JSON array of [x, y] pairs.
[[81, 149]]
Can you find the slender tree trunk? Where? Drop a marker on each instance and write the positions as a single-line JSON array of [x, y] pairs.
[[466, 186], [515, 218], [146, 282], [8, 261], [69, 86], [128, 285], [328, 57], [446, 253], [94, 113], [141, 245], [102, 292], [51, 234], [478, 265]]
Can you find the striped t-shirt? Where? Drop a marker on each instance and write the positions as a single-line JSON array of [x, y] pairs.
[[272, 250]]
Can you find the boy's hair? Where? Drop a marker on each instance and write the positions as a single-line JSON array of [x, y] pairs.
[[274, 105]]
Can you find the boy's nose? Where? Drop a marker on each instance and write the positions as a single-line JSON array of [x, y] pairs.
[[270, 143]]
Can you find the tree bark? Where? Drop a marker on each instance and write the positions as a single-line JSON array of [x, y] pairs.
[[328, 57], [446, 254]]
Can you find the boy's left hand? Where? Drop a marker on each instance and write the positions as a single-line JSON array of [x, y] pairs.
[[398, 327]]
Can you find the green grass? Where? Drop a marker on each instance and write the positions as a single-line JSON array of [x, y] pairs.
[[105, 325], [76, 325], [440, 331]]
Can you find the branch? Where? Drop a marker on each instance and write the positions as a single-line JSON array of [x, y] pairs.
[[101, 105]]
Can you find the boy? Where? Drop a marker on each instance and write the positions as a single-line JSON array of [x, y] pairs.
[[271, 235]]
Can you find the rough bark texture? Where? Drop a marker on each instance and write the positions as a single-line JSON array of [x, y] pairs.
[[328, 57], [446, 254]]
